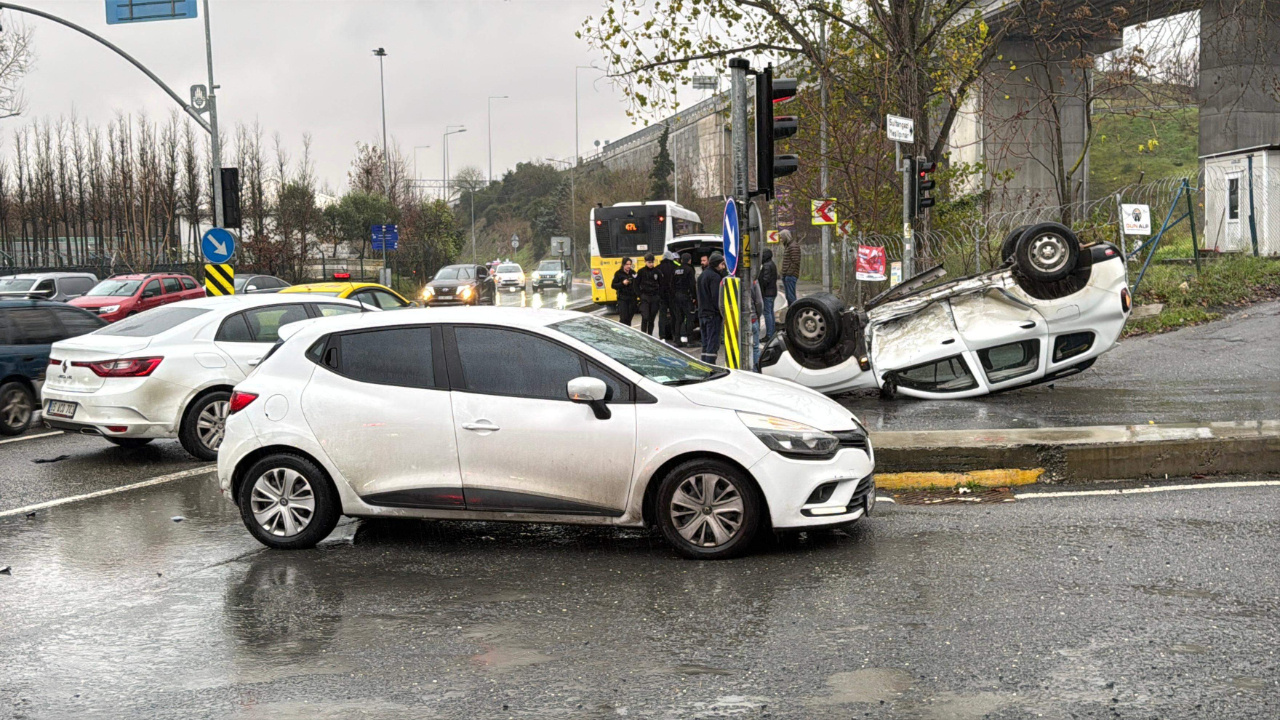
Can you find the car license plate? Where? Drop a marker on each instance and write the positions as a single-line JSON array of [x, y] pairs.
[[61, 409]]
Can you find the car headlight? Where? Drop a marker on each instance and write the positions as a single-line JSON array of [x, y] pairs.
[[464, 292], [790, 438], [427, 292], [106, 309]]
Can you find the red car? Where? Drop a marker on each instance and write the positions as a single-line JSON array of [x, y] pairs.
[[120, 296]]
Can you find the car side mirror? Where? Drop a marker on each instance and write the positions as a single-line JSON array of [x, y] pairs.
[[591, 391]]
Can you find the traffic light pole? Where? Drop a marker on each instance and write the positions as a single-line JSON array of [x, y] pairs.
[[908, 177], [738, 69], [215, 142]]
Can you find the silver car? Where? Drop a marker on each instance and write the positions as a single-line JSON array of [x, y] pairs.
[[57, 286]]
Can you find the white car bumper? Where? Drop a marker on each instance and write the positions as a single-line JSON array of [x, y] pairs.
[[842, 484], [144, 410], [238, 440]]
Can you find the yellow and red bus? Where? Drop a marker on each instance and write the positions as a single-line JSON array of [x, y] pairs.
[[631, 230]]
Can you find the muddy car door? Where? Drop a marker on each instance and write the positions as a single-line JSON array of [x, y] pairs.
[[922, 355], [1006, 337]]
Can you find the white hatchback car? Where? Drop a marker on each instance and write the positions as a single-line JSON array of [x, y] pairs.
[[509, 276], [536, 416], [168, 372]]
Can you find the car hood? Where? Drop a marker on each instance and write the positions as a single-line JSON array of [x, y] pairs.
[[449, 283], [764, 395], [99, 301]]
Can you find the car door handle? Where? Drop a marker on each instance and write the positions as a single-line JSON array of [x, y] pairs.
[[254, 362], [482, 426]]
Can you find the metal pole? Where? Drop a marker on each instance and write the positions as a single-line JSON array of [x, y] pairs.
[[1191, 216], [738, 70], [386, 157], [908, 254], [822, 150], [1253, 225], [215, 142], [473, 226]]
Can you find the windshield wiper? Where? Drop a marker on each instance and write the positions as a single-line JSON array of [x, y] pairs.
[[719, 373]]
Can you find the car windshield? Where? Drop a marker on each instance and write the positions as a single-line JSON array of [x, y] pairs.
[[454, 273], [508, 268], [114, 288], [152, 323], [549, 266], [15, 285], [639, 351]]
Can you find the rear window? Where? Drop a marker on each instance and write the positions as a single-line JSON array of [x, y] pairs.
[[395, 356], [188, 283], [172, 285], [152, 323]]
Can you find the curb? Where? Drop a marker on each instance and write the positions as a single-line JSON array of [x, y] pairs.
[[1002, 458]]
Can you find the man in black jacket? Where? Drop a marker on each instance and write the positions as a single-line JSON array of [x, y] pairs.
[[684, 288], [649, 287], [768, 289], [666, 297], [709, 317], [624, 284]]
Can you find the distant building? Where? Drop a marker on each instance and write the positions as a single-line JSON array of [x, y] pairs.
[[1233, 195]]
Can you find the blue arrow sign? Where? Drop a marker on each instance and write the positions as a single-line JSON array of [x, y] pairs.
[[217, 245], [384, 237], [732, 239]]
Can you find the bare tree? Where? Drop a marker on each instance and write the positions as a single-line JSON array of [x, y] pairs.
[[16, 58]]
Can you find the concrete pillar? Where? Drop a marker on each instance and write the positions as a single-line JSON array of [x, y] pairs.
[[1239, 75]]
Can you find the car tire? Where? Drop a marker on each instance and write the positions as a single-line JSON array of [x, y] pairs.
[[694, 529], [287, 502], [1047, 252], [203, 424], [813, 323], [1010, 243], [17, 407], [127, 443]]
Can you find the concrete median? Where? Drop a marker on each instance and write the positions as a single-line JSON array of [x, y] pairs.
[[994, 458]]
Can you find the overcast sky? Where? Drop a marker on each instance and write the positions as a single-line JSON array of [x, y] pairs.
[[307, 66]]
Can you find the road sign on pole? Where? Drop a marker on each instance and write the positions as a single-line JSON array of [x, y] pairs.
[[217, 245], [219, 279], [845, 228], [515, 241], [824, 211], [900, 129], [730, 236], [385, 237], [122, 12], [200, 98]]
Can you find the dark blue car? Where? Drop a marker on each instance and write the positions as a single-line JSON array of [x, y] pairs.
[[27, 329]]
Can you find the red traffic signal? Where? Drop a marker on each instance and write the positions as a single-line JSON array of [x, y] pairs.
[[769, 128], [923, 184]]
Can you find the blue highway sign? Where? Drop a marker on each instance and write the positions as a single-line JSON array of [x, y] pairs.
[[120, 12], [217, 245], [385, 237], [732, 238]]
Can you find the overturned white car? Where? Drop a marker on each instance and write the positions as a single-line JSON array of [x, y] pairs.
[[1047, 312]]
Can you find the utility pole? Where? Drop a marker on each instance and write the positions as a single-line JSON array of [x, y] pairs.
[[908, 177], [822, 150], [382, 82], [738, 69], [215, 142]]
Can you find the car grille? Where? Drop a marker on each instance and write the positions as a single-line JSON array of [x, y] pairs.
[[865, 487], [444, 291], [853, 439]]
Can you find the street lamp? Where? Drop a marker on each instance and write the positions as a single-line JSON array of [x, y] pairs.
[[382, 81], [491, 99], [447, 132]]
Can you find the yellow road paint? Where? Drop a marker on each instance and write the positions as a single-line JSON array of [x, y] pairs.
[[1004, 477]]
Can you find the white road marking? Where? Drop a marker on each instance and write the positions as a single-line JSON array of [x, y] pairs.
[[1154, 489], [160, 480], [31, 437]]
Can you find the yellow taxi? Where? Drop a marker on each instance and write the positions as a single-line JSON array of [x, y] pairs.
[[369, 294]]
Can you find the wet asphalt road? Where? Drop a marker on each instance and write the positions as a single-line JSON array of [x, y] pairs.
[[1224, 371], [1147, 606], [548, 298]]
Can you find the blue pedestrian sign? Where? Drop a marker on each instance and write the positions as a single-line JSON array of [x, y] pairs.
[[385, 237], [217, 245], [732, 238], [120, 12]]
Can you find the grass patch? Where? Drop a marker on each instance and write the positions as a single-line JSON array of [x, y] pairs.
[[1189, 299]]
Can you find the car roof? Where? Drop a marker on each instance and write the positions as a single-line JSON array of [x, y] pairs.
[[144, 276], [495, 316], [238, 302], [339, 286], [11, 303], [46, 275]]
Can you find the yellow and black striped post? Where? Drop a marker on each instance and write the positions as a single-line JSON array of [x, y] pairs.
[[732, 321], [219, 279]]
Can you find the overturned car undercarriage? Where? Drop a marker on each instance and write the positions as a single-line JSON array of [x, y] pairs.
[[1047, 312]]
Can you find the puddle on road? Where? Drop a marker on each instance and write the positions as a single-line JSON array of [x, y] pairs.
[[872, 685]]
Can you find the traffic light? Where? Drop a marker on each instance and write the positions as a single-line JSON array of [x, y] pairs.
[[769, 128], [230, 197], [923, 184]]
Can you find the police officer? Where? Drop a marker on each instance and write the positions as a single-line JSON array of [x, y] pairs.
[[684, 288]]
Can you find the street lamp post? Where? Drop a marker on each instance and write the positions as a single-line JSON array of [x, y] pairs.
[[491, 99], [380, 53], [447, 132]]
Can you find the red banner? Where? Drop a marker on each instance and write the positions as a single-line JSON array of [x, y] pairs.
[[871, 263]]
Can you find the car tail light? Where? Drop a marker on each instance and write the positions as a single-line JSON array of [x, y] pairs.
[[131, 367], [1126, 302], [117, 428], [241, 400], [53, 362]]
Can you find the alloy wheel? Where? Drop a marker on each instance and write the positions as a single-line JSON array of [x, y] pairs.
[[212, 422], [15, 408], [707, 510], [283, 502]]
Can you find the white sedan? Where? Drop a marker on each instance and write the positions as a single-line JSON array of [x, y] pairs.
[[168, 372], [537, 416]]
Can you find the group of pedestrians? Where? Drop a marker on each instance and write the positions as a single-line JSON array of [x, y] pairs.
[[669, 296]]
